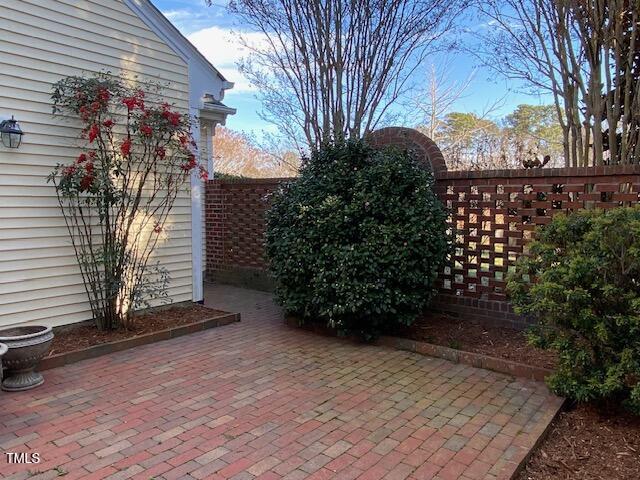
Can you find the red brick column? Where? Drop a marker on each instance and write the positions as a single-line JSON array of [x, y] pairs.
[[214, 226]]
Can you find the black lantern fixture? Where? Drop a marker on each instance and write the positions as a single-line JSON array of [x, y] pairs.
[[10, 133]]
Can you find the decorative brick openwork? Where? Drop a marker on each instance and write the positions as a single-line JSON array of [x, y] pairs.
[[493, 213]]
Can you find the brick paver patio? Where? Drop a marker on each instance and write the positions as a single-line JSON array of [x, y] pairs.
[[261, 400]]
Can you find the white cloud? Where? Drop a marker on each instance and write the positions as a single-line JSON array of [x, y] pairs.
[[177, 15], [224, 49], [189, 20]]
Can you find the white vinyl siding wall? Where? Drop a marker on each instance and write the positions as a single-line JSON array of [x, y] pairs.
[[42, 41]]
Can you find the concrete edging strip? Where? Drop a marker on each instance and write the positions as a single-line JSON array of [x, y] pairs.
[[468, 358]]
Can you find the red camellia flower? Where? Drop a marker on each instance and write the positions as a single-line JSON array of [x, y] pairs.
[[125, 148], [135, 101], [172, 117], [104, 95], [146, 130], [81, 158], [157, 228], [190, 164], [86, 182], [140, 99], [69, 170], [84, 113], [93, 132], [130, 102], [160, 152], [108, 123], [89, 168]]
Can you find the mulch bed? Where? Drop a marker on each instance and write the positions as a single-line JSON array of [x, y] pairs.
[[463, 335], [77, 337], [584, 443]]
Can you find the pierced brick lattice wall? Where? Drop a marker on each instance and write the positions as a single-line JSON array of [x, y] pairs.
[[494, 214]]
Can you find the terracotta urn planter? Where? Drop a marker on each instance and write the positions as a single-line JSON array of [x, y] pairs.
[[26, 346]]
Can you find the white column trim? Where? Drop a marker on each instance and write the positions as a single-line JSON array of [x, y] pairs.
[[197, 232], [211, 131]]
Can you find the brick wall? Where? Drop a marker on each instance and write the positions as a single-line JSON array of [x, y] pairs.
[[493, 213], [234, 225]]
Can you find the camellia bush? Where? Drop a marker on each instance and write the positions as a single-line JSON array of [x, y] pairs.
[[582, 281], [116, 196], [358, 239]]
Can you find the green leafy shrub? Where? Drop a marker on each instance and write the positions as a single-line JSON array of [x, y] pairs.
[[358, 239], [585, 290]]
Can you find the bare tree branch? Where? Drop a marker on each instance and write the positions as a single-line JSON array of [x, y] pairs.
[[333, 68], [587, 55]]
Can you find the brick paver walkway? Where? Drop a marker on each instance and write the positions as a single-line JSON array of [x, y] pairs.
[[261, 400]]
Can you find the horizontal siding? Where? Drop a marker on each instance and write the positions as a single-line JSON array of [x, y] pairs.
[[178, 236], [42, 221], [42, 41], [51, 23], [33, 97], [32, 266], [43, 50], [168, 249], [65, 313], [37, 276]]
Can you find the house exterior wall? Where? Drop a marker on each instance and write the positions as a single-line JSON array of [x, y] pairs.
[[42, 41]]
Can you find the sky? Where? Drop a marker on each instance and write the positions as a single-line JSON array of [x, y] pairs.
[[213, 30]]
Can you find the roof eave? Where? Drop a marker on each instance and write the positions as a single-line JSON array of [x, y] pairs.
[[219, 109]]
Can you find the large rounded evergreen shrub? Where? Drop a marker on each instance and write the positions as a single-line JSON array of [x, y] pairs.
[[582, 281], [358, 239]]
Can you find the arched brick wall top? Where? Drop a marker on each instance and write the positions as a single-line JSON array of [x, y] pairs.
[[422, 146]]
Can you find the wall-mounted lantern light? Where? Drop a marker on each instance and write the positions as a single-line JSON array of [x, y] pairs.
[[10, 133]]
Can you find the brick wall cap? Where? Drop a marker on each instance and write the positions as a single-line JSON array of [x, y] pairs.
[[426, 149], [250, 181], [541, 172]]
